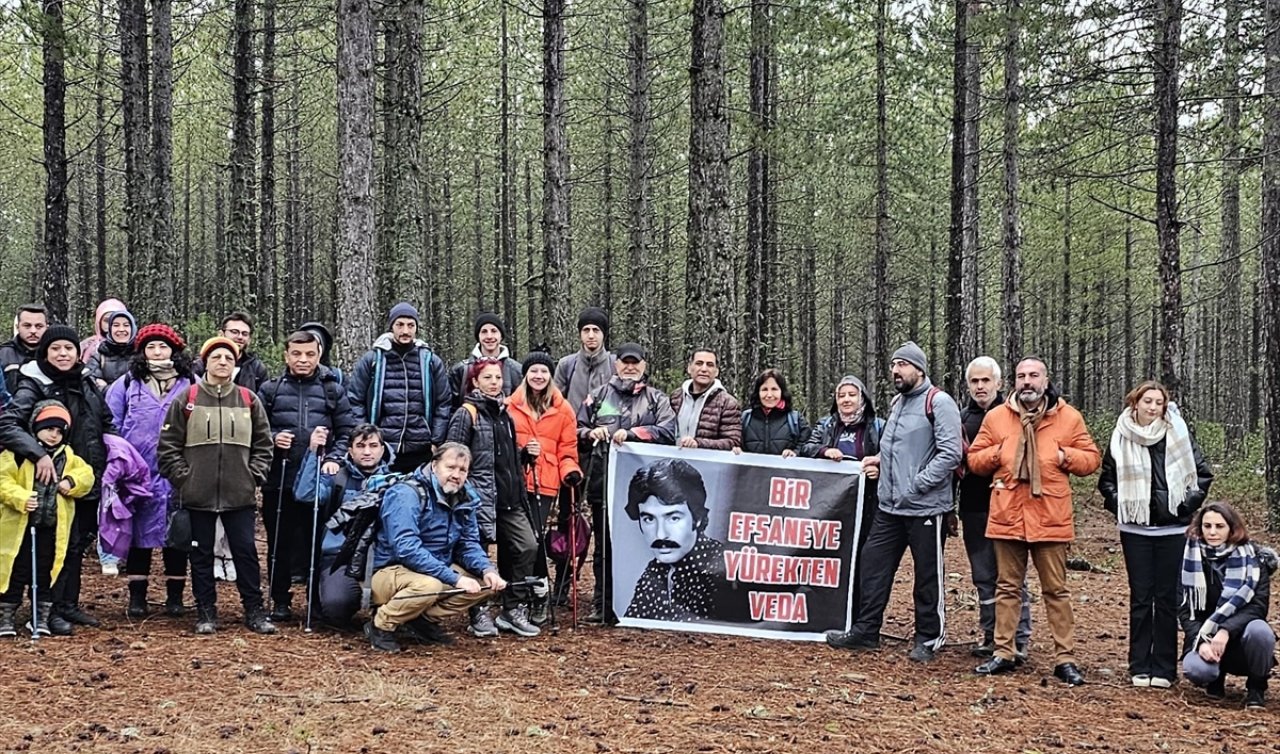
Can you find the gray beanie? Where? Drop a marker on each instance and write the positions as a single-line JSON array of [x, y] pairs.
[[912, 354]]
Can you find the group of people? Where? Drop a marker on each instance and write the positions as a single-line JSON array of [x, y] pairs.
[[389, 484]]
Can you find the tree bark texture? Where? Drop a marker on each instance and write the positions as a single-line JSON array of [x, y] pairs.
[[54, 258], [132, 26], [1165, 56], [759, 265], [971, 310], [1012, 269], [880, 265], [640, 300], [241, 232], [1270, 282], [162, 303], [709, 266], [556, 317], [268, 251], [1231, 332], [954, 369], [355, 180], [402, 225]]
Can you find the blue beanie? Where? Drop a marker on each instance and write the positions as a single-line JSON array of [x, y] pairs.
[[402, 309]]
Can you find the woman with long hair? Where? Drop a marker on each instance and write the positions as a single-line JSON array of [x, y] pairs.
[[1226, 586], [1154, 478], [547, 435], [159, 374]]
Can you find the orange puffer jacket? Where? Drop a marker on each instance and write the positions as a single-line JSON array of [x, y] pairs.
[[557, 433], [1015, 514]]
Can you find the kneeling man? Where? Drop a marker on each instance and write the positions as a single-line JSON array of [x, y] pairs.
[[429, 543]]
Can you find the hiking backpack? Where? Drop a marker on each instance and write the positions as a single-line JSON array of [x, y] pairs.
[[357, 521], [928, 414]]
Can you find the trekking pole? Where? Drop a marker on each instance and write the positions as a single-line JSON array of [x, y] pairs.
[[315, 532], [533, 510], [572, 560], [526, 581], [275, 545], [35, 589]]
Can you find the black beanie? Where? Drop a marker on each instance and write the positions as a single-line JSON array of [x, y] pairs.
[[489, 318], [594, 315], [539, 355], [53, 334]]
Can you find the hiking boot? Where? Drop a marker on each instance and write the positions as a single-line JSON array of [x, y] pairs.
[[75, 614], [206, 620], [137, 599], [173, 606], [58, 625], [539, 612], [42, 614], [1217, 688], [601, 615], [7, 613], [1255, 699], [258, 622], [920, 653], [481, 623], [282, 611], [428, 632], [382, 641], [516, 620], [852, 640], [997, 665]]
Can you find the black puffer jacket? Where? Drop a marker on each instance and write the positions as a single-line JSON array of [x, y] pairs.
[[1160, 516], [299, 405], [13, 355], [975, 490], [1255, 609], [90, 418], [771, 432], [404, 392], [495, 461], [110, 361]]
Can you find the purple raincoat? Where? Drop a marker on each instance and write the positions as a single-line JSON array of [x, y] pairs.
[[138, 415], [127, 515]]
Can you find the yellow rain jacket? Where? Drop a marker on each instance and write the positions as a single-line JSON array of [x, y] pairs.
[[16, 485]]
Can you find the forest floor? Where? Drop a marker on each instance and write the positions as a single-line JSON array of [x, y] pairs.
[[152, 686]]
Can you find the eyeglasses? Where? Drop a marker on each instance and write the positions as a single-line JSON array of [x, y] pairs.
[[237, 331]]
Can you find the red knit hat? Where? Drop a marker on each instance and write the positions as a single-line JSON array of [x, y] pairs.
[[158, 331]]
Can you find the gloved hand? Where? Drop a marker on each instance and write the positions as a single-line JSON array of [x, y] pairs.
[[573, 478]]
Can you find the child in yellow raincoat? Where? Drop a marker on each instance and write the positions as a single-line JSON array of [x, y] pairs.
[[34, 513]]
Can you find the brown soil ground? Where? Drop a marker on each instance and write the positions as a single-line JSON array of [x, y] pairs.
[[152, 686]]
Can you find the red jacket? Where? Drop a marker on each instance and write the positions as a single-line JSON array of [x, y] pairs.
[[557, 433]]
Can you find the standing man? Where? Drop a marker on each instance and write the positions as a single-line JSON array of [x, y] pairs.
[[307, 408], [920, 449], [29, 325], [490, 332], [982, 377], [579, 373], [401, 387], [428, 543], [250, 372], [57, 374], [624, 409], [216, 450], [707, 415], [1030, 446]]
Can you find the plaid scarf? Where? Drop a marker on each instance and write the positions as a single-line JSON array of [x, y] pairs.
[[1026, 463], [1129, 447], [1241, 575]]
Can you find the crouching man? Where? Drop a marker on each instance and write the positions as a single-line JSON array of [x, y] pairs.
[[428, 561]]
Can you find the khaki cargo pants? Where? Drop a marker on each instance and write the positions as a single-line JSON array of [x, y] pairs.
[[402, 595]]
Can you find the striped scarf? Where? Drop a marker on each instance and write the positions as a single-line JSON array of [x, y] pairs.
[[1241, 575], [1129, 447]]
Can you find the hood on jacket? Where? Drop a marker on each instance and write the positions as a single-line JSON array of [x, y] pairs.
[[127, 346], [106, 307], [326, 339], [717, 385], [869, 412], [503, 353]]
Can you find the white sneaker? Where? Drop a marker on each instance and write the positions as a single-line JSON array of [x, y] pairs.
[[1160, 683], [219, 571], [110, 568], [1144, 680]]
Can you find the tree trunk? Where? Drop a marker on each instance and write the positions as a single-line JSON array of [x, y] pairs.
[[1231, 332], [639, 170], [1168, 25], [709, 267], [880, 266], [1271, 257], [1065, 333], [759, 263], [530, 259], [971, 309], [952, 375], [241, 231], [507, 203], [401, 211], [556, 317], [100, 156], [268, 252], [54, 260], [355, 181], [1012, 270], [163, 304], [134, 124]]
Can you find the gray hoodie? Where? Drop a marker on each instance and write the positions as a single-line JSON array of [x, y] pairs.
[[918, 457]]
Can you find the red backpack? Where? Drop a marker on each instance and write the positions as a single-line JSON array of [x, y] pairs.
[[928, 413], [245, 394]]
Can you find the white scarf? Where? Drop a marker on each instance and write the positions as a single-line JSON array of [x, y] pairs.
[[1129, 444]]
